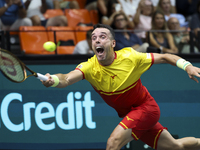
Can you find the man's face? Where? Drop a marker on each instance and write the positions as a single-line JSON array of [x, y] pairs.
[[102, 44], [166, 5], [173, 24], [120, 22]]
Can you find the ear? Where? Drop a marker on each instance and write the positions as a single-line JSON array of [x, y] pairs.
[[113, 43]]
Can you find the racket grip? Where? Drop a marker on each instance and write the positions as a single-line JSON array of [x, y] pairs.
[[41, 77]]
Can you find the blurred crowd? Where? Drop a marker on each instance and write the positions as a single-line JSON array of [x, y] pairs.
[[163, 26]]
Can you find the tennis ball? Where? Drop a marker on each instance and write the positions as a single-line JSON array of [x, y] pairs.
[[49, 46]]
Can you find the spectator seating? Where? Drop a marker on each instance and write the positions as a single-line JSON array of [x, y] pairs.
[[81, 3], [53, 13], [77, 16], [65, 35], [32, 39], [80, 32], [94, 16]]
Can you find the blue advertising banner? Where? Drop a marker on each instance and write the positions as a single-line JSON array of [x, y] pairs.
[[76, 117]]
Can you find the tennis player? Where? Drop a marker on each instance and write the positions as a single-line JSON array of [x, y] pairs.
[[116, 77]]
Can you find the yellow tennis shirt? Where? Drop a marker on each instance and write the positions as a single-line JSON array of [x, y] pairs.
[[115, 83]]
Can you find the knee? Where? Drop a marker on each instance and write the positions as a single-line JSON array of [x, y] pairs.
[[57, 21], [175, 146], [112, 143], [63, 20], [145, 46], [36, 20], [26, 22]]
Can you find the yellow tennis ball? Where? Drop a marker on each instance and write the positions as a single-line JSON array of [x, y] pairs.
[[49, 46]]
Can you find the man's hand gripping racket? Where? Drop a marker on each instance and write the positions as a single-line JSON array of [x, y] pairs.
[[14, 69]]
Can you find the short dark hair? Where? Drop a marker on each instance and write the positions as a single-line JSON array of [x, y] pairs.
[[105, 26], [120, 14]]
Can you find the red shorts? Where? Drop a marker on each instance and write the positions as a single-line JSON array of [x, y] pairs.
[[143, 120]]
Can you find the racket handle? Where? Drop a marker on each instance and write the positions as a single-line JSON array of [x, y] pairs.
[[41, 77]]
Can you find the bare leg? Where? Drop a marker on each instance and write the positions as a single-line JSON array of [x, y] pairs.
[[190, 143], [36, 20], [119, 138], [74, 5], [167, 142], [57, 21]]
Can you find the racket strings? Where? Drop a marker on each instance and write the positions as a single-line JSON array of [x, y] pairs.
[[11, 67]]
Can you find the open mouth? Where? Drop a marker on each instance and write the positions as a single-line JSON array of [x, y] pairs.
[[99, 50]]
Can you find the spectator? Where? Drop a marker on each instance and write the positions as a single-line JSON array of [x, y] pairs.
[[173, 4], [85, 46], [107, 18], [91, 4], [186, 7], [102, 8], [195, 21], [166, 7], [125, 38], [62, 4], [181, 39], [114, 7], [159, 37], [129, 7], [35, 11], [13, 15], [142, 18], [195, 25]]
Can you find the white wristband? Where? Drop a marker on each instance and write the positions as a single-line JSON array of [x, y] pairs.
[[182, 63], [6, 5], [56, 80], [161, 49]]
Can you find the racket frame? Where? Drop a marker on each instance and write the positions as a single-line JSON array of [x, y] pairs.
[[24, 68]]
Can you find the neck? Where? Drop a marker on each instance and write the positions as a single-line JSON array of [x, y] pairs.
[[109, 60], [167, 13]]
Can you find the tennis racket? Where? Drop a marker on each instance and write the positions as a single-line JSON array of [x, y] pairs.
[[14, 69]]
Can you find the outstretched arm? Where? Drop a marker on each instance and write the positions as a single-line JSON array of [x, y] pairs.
[[63, 80], [174, 60]]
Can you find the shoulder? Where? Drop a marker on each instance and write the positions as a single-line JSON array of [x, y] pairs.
[[126, 52], [133, 55], [88, 65], [92, 62], [169, 35]]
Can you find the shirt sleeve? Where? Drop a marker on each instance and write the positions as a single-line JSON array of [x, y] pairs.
[[143, 61], [86, 68]]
